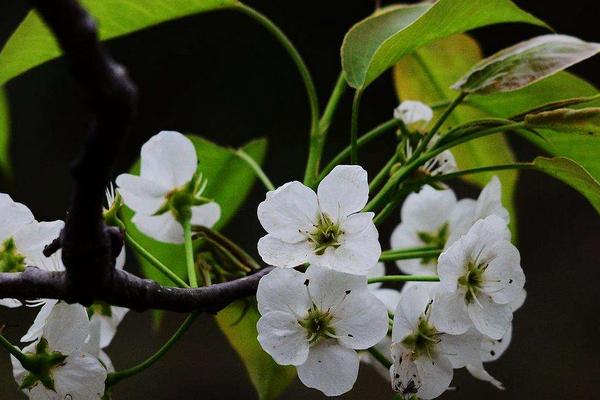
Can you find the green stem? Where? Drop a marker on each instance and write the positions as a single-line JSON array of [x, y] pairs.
[[363, 140], [189, 254], [256, 168], [383, 174], [457, 174], [332, 105], [311, 91], [380, 357], [155, 262], [394, 255], [405, 278], [15, 351], [354, 127], [115, 377]]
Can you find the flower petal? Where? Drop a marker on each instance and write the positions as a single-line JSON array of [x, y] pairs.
[[81, 377], [289, 212], [330, 368], [490, 318], [489, 201], [36, 330], [449, 313], [140, 194], [344, 191], [66, 328], [503, 278], [206, 215], [168, 158], [108, 325], [404, 237], [10, 303], [436, 375], [377, 271], [428, 210], [32, 238], [492, 349], [480, 373], [358, 253], [276, 252], [461, 349], [280, 335], [412, 304], [163, 228], [283, 289], [389, 297], [13, 215], [329, 288]]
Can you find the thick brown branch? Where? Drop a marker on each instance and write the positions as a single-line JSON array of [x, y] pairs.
[[88, 252], [130, 291]]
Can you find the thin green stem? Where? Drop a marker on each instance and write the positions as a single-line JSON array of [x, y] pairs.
[[15, 351], [354, 127], [383, 174], [394, 202], [256, 168], [189, 253], [405, 278], [155, 262], [363, 140], [394, 255], [380, 357], [457, 174], [311, 91], [115, 377], [332, 105]]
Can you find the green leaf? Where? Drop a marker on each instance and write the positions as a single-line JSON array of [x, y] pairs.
[[238, 323], [32, 43], [426, 75], [573, 174], [583, 121], [229, 182], [525, 63], [378, 42], [5, 164]]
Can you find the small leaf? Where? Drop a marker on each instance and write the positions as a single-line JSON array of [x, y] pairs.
[[557, 104], [573, 174], [32, 43], [379, 41], [525, 63], [584, 121], [238, 323], [5, 164]]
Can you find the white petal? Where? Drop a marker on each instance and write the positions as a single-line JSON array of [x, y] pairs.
[[404, 237], [452, 264], [141, 195], [10, 303], [461, 349], [480, 373], [519, 300], [462, 219], [120, 261], [280, 335], [283, 289], [206, 215], [92, 342], [357, 222], [163, 228], [504, 278], [106, 361], [403, 372], [490, 318], [360, 320], [358, 253], [490, 201], [428, 210], [436, 375], [412, 304], [329, 288], [108, 325], [32, 238], [389, 297], [35, 331], [12, 216], [81, 377], [492, 349], [413, 112], [278, 253], [375, 272], [66, 328], [344, 191], [168, 158], [289, 213], [449, 313], [330, 368]]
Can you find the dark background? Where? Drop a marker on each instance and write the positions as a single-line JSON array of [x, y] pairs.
[[222, 76]]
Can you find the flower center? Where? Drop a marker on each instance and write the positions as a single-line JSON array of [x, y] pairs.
[[424, 338], [326, 234], [472, 280], [317, 324], [434, 239], [10, 259]]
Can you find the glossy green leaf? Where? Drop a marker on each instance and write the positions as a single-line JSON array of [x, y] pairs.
[[426, 75], [574, 175], [5, 165], [229, 182], [378, 42], [32, 44], [238, 323], [584, 121], [525, 63]]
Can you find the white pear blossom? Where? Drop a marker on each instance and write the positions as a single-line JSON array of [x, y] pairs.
[[166, 182], [316, 321], [414, 114], [423, 355], [436, 218], [68, 372], [324, 228], [480, 275], [22, 241], [108, 317]]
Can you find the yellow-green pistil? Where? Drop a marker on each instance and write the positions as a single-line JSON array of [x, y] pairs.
[[317, 325], [10, 259], [423, 339], [472, 280], [326, 234]]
